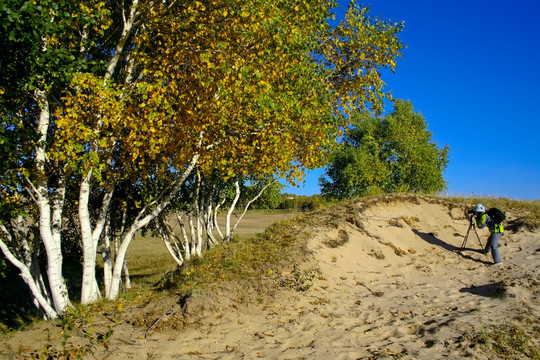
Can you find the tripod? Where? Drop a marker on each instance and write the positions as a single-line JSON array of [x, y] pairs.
[[471, 225]]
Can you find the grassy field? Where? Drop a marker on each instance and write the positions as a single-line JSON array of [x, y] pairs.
[[147, 270]]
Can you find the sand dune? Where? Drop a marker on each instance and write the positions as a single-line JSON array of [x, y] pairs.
[[385, 281]]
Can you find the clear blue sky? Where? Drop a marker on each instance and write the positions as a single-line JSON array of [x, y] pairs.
[[472, 68]]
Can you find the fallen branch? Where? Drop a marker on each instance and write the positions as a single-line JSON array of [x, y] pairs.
[[157, 321]]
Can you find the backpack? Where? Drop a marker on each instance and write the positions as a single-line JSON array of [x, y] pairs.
[[496, 215]]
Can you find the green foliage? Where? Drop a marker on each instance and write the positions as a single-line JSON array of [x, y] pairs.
[[302, 203], [309, 203], [270, 198], [3, 267], [386, 155], [130, 95], [42, 44], [354, 51]]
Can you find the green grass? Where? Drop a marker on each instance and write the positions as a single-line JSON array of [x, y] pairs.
[[148, 260], [243, 258]]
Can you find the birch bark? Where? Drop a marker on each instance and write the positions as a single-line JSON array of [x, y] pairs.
[[29, 280], [141, 221], [228, 230], [50, 205]]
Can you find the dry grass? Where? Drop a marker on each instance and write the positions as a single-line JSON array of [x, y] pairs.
[[244, 258], [147, 270], [148, 259], [528, 211]]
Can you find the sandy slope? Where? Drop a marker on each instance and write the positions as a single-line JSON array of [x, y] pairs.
[[385, 280]]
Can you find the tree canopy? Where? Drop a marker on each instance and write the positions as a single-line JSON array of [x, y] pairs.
[[394, 153], [108, 107]]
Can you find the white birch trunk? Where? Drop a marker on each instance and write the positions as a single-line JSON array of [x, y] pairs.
[[30, 282], [175, 255], [209, 221], [127, 278], [249, 204], [90, 239], [198, 223], [199, 246], [89, 288], [228, 230], [139, 224], [187, 250], [168, 237], [107, 261], [193, 236], [216, 224], [50, 211]]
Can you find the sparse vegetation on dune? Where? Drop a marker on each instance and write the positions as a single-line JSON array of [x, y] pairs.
[[240, 259], [528, 211], [262, 263]]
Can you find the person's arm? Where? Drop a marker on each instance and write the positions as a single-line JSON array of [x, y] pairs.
[[481, 220], [490, 223]]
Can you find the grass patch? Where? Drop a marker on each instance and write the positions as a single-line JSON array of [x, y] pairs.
[[148, 259], [510, 341], [528, 211], [244, 258]]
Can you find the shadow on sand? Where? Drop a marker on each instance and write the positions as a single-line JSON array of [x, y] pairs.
[[493, 290], [432, 239]]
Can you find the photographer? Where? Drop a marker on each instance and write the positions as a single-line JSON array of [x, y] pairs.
[[496, 230]]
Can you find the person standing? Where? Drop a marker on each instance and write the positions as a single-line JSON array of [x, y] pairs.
[[496, 230]]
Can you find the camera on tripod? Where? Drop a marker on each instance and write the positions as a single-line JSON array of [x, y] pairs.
[[472, 225]]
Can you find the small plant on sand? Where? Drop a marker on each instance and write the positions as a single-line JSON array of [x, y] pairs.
[[67, 353], [299, 280], [80, 318], [507, 341]]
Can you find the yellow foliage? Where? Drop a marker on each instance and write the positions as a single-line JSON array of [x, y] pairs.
[[239, 83]]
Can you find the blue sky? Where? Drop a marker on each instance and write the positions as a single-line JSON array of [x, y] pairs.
[[472, 68]]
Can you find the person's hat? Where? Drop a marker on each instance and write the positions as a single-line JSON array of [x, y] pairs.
[[479, 208]]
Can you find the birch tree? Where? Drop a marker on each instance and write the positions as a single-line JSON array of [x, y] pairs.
[[45, 42], [141, 94]]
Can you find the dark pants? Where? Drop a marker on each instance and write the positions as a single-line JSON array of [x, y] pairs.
[[493, 245]]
